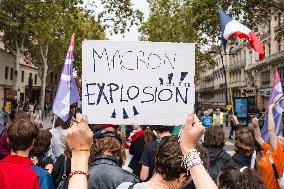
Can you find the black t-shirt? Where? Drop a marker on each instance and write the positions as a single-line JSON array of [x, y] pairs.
[[148, 156]]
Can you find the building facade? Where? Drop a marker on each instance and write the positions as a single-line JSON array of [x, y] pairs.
[[29, 81], [246, 75]]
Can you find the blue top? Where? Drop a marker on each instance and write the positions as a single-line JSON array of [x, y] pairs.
[[207, 121]]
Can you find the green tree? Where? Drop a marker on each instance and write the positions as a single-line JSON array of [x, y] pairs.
[[170, 20], [14, 35], [251, 13], [41, 29], [197, 21], [50, 40]]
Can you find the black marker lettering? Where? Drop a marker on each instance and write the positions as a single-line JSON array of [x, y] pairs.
[[166, 99], [136, 95], [121, 91], [90, 94], [159, 61], [148, 93], [121, 62], [112, 87], [96, 54], [179, 94], [101, 93]]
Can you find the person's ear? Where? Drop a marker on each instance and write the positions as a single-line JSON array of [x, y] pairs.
[[182, 178]]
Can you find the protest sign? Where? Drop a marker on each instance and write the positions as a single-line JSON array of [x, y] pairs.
[[137, 82]]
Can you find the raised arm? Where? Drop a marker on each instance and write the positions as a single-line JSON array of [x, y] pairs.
[[79, 138], [191, 133], [271, 128], [257, 133]]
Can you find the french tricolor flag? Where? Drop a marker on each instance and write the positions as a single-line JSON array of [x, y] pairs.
[[231, 28]]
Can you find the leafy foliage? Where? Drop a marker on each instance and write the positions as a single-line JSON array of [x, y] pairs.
[[119, 15], [197, 21], [171, 20]]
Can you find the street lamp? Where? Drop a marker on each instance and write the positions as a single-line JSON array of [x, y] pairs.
[[218, 50]]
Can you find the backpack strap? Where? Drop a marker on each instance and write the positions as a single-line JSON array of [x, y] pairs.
[[131, 186], [276, 175], [64, 176]]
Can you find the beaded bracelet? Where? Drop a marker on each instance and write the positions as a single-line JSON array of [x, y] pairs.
[[79, 173], [80, 150], [191, 159]]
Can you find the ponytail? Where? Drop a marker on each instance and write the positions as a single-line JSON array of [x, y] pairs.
[[148, 135]]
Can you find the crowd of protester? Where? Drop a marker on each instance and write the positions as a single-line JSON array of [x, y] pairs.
[[74, 154]]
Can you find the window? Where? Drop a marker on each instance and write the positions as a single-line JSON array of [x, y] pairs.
[[265, 77], [51, 78], [279, 19], [23, 76], [35, 79], [279, 45], [11, 73], [56, 78], [269, 49], [6, 72], [281, 73]]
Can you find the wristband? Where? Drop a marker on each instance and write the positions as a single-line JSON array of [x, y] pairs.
[[191, 159], [78, 172], [80, 150]]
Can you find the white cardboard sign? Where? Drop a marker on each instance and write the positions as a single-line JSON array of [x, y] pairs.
[[137, 82]]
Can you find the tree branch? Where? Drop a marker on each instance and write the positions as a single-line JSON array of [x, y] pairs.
[[10, 48], [41, 52], [22, 43]]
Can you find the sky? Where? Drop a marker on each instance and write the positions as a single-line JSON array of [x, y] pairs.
[[133, 34]]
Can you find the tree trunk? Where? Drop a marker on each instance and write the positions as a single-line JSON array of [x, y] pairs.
[[17, 58], [43, 85], [43, 53], [16, 71]]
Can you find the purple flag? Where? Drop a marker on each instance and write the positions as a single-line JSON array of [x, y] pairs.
[[67, 91], [275, 95]]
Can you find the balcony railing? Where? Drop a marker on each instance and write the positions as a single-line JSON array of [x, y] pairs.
[[279, 27], [237, 83], [206, 89], [272, 58], [238, 64], [222, 85]]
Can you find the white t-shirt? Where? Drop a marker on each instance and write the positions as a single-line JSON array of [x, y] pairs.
[[125, 185]]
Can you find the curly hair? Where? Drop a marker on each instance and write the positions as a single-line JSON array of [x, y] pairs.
[[203, 156], [109, 144], [244, 142], [21, 115], [214, 137], [42, 142], [169, 159], [231, 177]]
